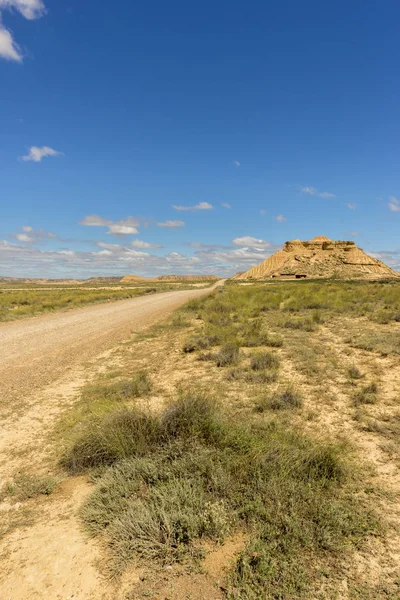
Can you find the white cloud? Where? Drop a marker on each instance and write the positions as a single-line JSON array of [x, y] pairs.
[[280, 218], [250, 241], [127, 226], [263, 212], [109, 246], [312, 191], [23, 237], [9, 49], [141, 244], [236, 163], [31, 235], [394, 204], [36, 154], [226, 205], [30, 9], [351, 205], [199, 206], [121, 229], [171, 224], [95, 221]]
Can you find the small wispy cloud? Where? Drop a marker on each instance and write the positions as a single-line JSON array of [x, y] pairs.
[[351, 205], [30, 235], [127, 226], [141, 244], [171, 224], [199, 206], [312, 191], [394, 204], [30, 9], [263, 212], [281, 218], [236, 163], [226, 205], [251, 242], [36, 154]]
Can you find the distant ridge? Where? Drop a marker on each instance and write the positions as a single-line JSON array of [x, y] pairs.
[[133, 278], [319, 258]]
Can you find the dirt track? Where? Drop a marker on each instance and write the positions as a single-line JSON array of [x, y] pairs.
[[34, 352]]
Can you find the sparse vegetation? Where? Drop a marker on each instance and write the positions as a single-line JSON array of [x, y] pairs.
[[27, 487], [354, 373], [195, 473], [173, 475], [366, 395], [264, 360], [287, 399]]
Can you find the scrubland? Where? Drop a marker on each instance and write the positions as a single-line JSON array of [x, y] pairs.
[[262, 418]]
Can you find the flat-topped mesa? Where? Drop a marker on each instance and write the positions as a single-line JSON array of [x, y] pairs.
[[320, 258]]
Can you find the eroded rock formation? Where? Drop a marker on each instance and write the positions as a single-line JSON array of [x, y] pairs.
[[320, 258]]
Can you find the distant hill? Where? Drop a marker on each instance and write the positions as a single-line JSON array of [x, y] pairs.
[[133, 278], [320, 258], [187, 278]]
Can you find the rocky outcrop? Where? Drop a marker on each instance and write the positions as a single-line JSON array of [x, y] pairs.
[[320, 258]]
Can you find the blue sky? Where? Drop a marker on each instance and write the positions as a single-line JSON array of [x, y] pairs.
[[186, 137]]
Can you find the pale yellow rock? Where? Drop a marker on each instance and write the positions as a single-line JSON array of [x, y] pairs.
[[320, 258]]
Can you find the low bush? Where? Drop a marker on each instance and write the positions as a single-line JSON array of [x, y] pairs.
[[128, 432], [354, 373], [367, 395], [27, 487], [264, 360], [265, 376], [138, 385], [304, 324], [287, 399], [228, 355], [200, 342], [251, 335]]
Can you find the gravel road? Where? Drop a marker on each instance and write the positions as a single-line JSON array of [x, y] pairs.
[[34, 352]]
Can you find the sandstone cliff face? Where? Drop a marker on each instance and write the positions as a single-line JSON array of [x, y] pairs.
[[320, 258]]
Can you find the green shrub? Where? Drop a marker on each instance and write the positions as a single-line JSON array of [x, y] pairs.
[[367, 395], [251, 335], [228, 355], [304, 324], [354, 372], [26, 487], [287, 399], [192, 415], [128, 432], [200, 342], [264, 360]]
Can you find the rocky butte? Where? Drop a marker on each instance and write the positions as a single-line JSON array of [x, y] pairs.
[[320, 258]]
